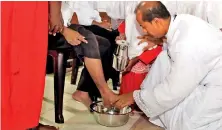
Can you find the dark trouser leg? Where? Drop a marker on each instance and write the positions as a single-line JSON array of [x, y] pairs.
[[86, 83], [111, 36], [91, 52]]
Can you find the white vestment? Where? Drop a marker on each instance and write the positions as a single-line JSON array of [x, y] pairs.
[[86, 12], [208, 10], [183, 90]]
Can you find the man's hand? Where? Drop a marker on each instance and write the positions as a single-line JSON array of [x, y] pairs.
[[124, 100], [73, 37], [128, 67], [109, 98], [122, 36], [152, 43], [56, 22]]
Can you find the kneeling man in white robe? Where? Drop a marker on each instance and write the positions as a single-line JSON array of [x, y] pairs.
[[183, 90]]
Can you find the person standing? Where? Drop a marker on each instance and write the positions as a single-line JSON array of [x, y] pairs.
[[24, 50]]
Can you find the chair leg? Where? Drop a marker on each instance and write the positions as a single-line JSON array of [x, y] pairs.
[[59, 81]]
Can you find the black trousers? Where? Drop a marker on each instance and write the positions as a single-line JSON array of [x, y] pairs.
[[96, 48], [86, 83], [93, 49]]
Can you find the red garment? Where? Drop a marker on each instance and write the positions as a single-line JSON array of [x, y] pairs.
[[148, 56], [121, 27], [132, 81], [24, 50]]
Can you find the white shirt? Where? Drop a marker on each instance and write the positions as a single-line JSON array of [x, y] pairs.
[[210, 11], [85, 10], [117, 9], [185, 92]]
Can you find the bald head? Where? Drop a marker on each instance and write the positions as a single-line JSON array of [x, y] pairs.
[[151, 10]]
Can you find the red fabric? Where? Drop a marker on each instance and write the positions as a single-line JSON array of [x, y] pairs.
[[132, 81], [148, 56], [121, 27], [24, 50]]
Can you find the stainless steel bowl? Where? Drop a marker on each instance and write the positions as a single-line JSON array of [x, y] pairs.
[[110, 117]]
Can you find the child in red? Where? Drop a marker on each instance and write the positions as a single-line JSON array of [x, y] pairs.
[[137, 68]]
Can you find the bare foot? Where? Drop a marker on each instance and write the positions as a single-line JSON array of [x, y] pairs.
[[109, 98], [82, 97]]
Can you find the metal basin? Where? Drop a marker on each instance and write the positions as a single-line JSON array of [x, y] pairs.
[[110, 117]]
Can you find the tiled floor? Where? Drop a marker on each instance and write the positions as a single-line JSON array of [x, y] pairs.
[[76, 115]]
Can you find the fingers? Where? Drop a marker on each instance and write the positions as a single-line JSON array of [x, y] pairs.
[[142, 41], [120, 38], [55, 30], [121, 104], [140, 37], [126, 70], [51, 28], [107, 25], [154, 46], [117, 38], [74, 42], [77, 39], [145, 48], [149, 47], [114, 100], [82, 39]]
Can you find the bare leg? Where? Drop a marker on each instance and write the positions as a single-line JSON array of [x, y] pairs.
[[93, 52], [94, 67], [95, 70], [82, 97]]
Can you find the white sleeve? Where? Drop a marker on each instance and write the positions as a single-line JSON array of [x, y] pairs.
[[86, 13], [186, 72], [214, 13], [67, 11]]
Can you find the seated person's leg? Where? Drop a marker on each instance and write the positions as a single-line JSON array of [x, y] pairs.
[[103, 43], [111, 36], [91, 56], [86, 86]]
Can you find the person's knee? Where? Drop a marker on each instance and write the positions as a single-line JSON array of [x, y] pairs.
[[84, 32]]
